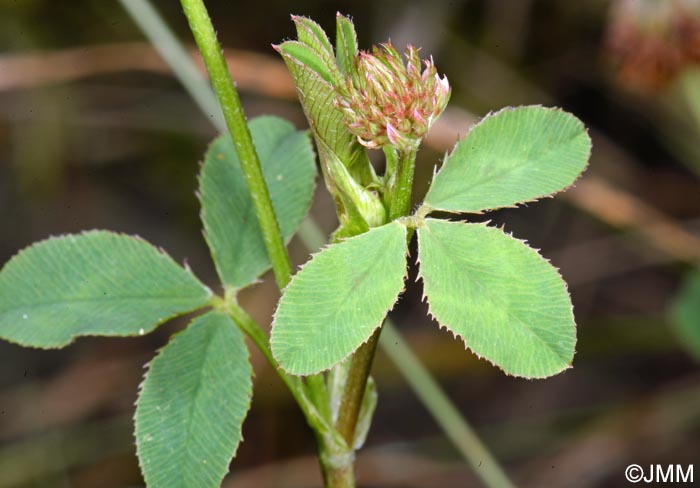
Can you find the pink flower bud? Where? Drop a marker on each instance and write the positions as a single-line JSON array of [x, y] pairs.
[[389, 101]]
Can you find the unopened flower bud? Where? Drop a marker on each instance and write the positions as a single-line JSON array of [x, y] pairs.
[[387, 101]]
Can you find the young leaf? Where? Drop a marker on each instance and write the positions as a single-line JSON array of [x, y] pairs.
[[345, 44], [338, 299], [309, 57], [685, 314], [500, 296], [327, 122], [513, 156], [95, 283], [192, 404], [231, 228], [312, 35]]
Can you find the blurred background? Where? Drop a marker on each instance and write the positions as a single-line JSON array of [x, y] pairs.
[[95, 132]]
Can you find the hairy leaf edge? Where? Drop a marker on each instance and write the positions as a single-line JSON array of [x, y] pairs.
[[429, 208], [158, 249], [327, 246], [458, 336], [147, 368]]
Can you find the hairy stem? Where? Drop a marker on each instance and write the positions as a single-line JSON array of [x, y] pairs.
[[337, 469], [226, 92], [316, 420], [354, 391], [402, 186], [427, 389], [399, 206]]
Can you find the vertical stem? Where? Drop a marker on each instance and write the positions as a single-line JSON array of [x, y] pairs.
[[400, 196], [337, 466], [422, 383], [354, 392], [211, 51], [361, 362], [213, 56]]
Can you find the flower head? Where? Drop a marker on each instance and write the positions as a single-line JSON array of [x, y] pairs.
[[387, 101], [652, 41]]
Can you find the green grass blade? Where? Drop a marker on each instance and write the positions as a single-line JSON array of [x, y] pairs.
[[685, 315]]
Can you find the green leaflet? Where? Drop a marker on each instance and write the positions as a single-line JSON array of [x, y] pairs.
[[231, 228], [192, 404], [345, 44], [313, 36], [95, 283], [685, 314], [338, 299], [500, 296], [308, 57], [510, 157]]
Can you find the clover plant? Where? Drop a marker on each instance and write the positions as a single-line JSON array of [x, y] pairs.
[[497, 295]]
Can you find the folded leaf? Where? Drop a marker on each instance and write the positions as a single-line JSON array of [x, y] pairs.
[[314, 79], [96, 283], [192, 404], [338, 299], [500, 296], [312, 35], [513, 156], [309, 57], [345, 44], [231, 228]]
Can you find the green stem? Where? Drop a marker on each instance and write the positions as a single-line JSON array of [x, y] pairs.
[[318, 393], [315, 419], [402, 186], [399, 206], [211, 51], [426, 388], [354, 391], [337, 469], [259, 338], [213, 56]]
